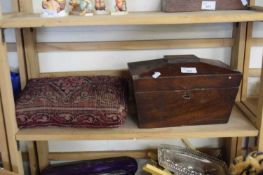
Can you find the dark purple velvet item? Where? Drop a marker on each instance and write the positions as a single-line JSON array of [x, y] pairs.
[[121, 172], [127, 165]]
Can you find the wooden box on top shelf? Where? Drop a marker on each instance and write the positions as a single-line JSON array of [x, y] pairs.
[[183, 90], [198, 5]]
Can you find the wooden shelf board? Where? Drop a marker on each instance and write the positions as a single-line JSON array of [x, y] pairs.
[[238, 126], [22, 20]]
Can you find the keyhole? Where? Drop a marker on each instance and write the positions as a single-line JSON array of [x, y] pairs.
[[187, 96]]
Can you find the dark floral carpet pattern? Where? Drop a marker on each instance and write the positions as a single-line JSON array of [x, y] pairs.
[[79, 102]]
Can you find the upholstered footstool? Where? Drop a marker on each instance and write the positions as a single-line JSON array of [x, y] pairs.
[[79, 102]]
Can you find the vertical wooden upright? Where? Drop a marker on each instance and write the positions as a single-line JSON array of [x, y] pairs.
[[33, 71], [249, 38], [30, 52], [42, 149], [20, 48], [9, 108], [233, 145], [29, 36], [238, 55], [32, 154], [247, 61], [259, 112], [260, 115], [4, 145], [3, 137]]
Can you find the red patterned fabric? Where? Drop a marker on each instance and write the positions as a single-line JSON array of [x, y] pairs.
[[82, 102]]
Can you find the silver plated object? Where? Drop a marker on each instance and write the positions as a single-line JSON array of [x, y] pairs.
[[184, 161]]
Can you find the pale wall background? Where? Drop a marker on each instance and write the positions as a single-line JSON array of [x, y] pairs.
[[73, 61]]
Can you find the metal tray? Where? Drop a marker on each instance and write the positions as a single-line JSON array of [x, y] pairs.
[[184, 161]]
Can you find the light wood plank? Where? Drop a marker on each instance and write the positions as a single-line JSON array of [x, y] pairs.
[[15, 154], [239, 146], [254, 72], [29, 36], [28, 61], [3, 145], [260, 115], [31, 53], [28, 66], [238, 126], [258, 8], [18, 47], [133, 18], [257, 42], [252, 3], [26, 6], [238, 56], [21, 58], [135, 45], [32, 158], [154, 170], [230, 145], [130, 45], [247, 61], [239, 35], [42, 151], [15, 5], [9, 109]]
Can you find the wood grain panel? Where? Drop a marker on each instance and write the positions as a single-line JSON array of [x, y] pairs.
[[32, 158], [260, 115], [135, 45], [254, 72], [21, 58], [31, 53], [9, 109], [247, 61], [238, 56], [257, 42], [238, 126], [130, 45], [133, 18], [42, 152], [3, 138]]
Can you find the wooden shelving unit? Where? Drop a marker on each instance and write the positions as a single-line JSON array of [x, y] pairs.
[[238, 126]]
